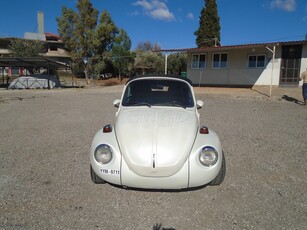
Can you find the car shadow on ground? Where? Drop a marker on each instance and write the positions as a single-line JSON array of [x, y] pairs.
[[160, 190], [291, 99]]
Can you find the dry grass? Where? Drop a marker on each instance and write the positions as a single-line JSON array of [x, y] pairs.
[[108, 82], [71, 81]]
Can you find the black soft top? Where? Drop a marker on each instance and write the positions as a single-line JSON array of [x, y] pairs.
[[160, 76]]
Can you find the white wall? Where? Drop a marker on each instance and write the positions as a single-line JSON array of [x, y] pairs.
[[238, 72]]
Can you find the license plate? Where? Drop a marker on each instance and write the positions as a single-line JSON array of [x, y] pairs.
[[110, 171]]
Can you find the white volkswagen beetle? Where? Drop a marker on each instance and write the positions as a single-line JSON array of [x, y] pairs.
[[157, 141]]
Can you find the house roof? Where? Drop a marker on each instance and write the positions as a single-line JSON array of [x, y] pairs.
[[48, 34], [230, 47], [52, 37]]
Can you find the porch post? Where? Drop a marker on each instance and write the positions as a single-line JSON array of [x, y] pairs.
[[273, 61], [272, 71]]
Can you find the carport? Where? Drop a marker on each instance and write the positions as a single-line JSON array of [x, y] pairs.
[[49, 63]]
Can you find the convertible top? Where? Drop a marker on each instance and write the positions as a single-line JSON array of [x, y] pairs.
[[160, 76]]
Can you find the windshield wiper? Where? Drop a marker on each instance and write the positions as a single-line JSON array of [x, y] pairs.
[[177, 104], [140, 104]]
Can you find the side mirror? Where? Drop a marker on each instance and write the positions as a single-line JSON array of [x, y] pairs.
[[116, 103], [199, 104]]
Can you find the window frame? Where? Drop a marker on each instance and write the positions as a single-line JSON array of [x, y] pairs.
[[220, 61], [198, 61], [256, 61]]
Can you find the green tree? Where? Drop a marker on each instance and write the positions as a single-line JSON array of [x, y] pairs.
[[122, 60], [147, 60], [88, 41], [208, 33], [67, 29], [77, 30], [104, 39], [149, 63], [106, 33], [27, 48], [85, 28], [147, 46], [177, 63]]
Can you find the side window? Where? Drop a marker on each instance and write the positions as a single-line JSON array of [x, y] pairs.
[[194, 61], [198, 61], [256, 61], [202, 61], [219, 60]]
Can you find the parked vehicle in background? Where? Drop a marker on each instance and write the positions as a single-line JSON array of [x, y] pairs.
[[105, 75]]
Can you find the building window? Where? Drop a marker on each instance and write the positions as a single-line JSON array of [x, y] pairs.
[[198, 61], [256, 61], [220, 61]]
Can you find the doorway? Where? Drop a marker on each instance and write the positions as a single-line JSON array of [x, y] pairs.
[[290, 65]]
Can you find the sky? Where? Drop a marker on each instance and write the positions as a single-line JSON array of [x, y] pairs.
[[171, 23]]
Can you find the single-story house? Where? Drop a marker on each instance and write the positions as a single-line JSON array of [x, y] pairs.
[[278, 64]]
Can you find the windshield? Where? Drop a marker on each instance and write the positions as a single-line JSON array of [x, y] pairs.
[[159, 92]]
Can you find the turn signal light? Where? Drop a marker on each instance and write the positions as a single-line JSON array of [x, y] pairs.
[[107, 128], [204, 130]]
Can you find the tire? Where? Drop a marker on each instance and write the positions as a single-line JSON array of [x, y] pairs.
[[95, 178], [220, 177]]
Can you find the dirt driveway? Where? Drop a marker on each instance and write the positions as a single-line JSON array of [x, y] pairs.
[[45, 138]]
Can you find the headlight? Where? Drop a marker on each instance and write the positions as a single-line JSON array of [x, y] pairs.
[[208, 156], [103, 154]]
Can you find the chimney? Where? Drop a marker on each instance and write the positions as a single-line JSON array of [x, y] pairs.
[[40, 20]]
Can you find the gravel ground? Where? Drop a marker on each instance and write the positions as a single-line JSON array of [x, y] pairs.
[[45, 183]]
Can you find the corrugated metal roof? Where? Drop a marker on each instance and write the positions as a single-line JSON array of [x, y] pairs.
[[31, 62], [229, 47]]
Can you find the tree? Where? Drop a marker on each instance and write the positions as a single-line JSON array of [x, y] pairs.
[[104, 39], [106, 33], [77, 32], [85, 28], [26, 48], [67, 29], [122, 59], [147, 46], [88, 42], [149, 63], [208, 33], [177, 63]]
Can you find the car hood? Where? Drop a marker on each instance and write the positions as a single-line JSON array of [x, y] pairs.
[[156, 142]]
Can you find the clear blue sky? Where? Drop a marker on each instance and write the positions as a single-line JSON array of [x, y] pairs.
[[171, 23]]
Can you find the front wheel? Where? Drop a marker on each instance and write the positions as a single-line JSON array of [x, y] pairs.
[[95, 178], [220, 177]]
